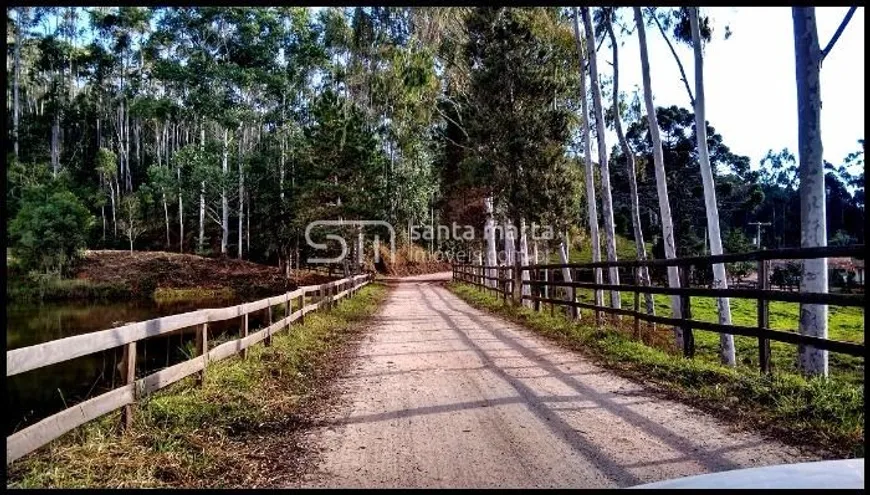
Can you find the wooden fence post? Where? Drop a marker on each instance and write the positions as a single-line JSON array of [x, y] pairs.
[[636, 304], [517, 284], [686, 310], [536, 276], [549, 292], [202, 350], [763, 319], [128, 376], [268, 341], [288, 308], [302, 307], [245, 334], [575, 311]]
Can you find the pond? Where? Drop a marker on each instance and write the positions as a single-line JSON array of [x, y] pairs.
[[36, 394]]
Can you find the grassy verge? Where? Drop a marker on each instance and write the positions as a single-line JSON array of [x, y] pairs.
[[164, 294], [823, 413], [26, 289], [844, 323], [214, 435]]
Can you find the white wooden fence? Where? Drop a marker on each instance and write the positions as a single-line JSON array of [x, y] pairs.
[[56, 351]]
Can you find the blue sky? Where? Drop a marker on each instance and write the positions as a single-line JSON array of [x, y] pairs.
[[750, 79]]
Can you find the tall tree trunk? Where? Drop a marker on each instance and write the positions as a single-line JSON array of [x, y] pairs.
[[114, 218], [524, 260], [814, 276], [631, 169], [127, 148], [566, 273], [241, 191], [489, 237], [17, 81], [661, 176], [201, 242], [591, 201], [98, 119], [166, 217], [726, 341], [283, 150], [606, 198], [180, 212], [55, 142], [225, 205]]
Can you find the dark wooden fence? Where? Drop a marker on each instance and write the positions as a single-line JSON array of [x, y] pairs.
[[508, 282]]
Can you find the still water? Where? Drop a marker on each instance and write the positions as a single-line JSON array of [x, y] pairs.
[[36, 394]]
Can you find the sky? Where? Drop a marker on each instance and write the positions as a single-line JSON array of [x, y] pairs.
[[749, 79]]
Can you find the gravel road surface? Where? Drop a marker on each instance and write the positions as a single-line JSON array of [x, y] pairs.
[[445, 395]]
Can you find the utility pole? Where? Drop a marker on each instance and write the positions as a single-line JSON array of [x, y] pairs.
[[758, 226]]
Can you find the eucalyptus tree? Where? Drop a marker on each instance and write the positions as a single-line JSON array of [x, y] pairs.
[[811, 172], [631, 169], [606, 191], [660, 174], [720, 280], [591, 202]]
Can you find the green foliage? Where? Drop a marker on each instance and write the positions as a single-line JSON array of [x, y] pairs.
[[50, 229], [518, 121]]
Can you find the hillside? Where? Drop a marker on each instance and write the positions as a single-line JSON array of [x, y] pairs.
[[145, 271]]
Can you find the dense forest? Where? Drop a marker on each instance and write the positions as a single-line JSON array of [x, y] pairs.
[[225, 131]]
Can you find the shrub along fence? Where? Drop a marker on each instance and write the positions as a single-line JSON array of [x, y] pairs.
[[544, 279], [37, 356]]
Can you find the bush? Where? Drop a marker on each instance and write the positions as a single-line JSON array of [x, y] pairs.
[[50, 229]]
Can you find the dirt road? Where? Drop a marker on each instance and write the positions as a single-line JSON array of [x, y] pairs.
[[444, 395]]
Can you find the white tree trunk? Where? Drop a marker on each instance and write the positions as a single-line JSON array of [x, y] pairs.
[[606, 198], [566, 275], [591, 201], [55, 143], [631, 172], [166, 217], [509, 239], [489, 238], [814, 276], [726, 341], [509, 251], [241, 191], [225, 204], [114, 217], [180, 213], [16, 83], [661, 177], [524, 261], [201, 242]]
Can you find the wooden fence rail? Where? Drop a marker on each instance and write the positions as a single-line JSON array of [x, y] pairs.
[[56, 351], [508, 283]]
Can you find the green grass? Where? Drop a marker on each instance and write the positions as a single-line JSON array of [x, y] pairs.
[[581, 250], [46, 288], [844, 323], [164, 294], [824, 413], [209, 435]]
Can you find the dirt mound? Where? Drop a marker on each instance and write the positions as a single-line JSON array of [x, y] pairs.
[[408, 260], [145, 271]]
